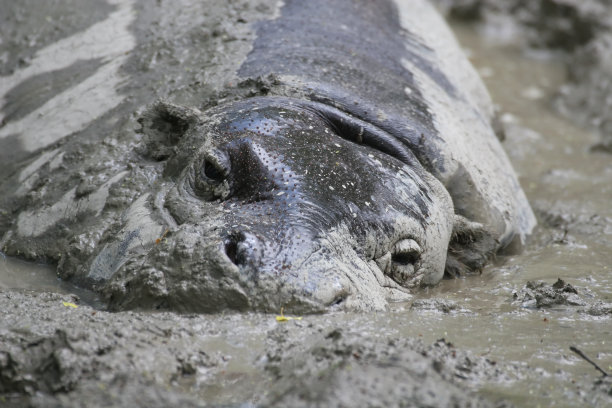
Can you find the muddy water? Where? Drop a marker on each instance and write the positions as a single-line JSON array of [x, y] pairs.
[[22, 275], [568, 186]]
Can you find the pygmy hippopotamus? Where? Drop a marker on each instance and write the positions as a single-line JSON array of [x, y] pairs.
[[301, 154]]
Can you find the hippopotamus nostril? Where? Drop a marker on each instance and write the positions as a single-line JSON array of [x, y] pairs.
[[231, 250], [339, 299], [243, 249]]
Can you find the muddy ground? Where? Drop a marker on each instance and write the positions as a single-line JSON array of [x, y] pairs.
[[95, 358], [500, 339]]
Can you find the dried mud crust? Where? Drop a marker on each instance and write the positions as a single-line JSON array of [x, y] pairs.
[[57, 355], [579, 31]]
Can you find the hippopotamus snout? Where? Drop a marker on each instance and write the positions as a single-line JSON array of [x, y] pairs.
[[299, 275], [284, 282]]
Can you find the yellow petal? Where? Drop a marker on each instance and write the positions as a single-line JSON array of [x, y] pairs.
[[69, 304], [287, 318]]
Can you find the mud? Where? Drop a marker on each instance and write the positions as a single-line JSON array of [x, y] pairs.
[[25, 30], [96, 358], [578, 32], [559, 294], [89, 143], [55, 355], [343, 367]]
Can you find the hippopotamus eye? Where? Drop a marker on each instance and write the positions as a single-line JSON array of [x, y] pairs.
[[212, 172], [406, 251], [404, 257], [210, 180]]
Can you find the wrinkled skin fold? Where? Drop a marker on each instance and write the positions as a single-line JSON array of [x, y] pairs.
[[353, 162]]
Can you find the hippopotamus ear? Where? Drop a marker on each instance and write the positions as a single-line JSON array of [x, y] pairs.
[[470, 247], [163, 125]]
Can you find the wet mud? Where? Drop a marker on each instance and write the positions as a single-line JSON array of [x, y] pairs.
[[499, 339], [578, 32], [97, 358]]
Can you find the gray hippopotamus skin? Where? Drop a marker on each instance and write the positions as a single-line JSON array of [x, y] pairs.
[[305, 154]]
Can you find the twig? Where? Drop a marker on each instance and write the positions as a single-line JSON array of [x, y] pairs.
[[581, 354]]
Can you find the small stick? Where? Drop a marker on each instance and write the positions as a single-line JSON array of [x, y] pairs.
[[158, 240], [581, 354]]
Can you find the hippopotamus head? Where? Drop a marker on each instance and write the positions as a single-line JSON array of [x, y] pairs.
[[277, 203]]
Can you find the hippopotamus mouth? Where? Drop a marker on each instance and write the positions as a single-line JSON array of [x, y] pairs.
[[280, 202]]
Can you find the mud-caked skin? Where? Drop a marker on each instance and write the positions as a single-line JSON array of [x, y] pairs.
[[353, 162]]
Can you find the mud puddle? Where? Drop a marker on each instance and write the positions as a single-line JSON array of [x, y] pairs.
[[570, 190], [16, 274]]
